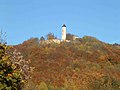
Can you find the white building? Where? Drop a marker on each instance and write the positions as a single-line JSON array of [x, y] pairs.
[[52, 41], [58, 41], [64, 32], [75, 37]]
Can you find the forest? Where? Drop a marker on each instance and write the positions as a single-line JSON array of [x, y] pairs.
[[82, 64]]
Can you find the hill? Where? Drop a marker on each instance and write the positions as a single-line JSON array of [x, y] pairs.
[[82, 64]]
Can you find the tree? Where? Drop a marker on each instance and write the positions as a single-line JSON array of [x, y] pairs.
[[50, 36], [42, 86], [20, 63], [2, 37], [10, 78], [31, 42], [42, 39], [69, 36]]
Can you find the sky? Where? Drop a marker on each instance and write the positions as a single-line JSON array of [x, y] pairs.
[[24, 19]]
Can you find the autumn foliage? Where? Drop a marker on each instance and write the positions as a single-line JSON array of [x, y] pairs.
[[10, 78], [83, 64]]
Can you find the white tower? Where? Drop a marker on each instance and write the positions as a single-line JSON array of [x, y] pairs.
[[64, 32]]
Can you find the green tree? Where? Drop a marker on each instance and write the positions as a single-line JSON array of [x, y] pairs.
[[10, 78]]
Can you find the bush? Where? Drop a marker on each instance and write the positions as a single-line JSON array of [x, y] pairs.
[[10, 78], [105, 83], [42, 86]]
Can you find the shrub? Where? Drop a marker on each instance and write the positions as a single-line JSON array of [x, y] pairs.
[[10, 78], [42, 86]]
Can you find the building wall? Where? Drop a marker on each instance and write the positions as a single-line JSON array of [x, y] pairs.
[[51, 41], [63, 33]]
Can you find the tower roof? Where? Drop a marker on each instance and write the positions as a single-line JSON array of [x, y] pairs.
[[64, 25]]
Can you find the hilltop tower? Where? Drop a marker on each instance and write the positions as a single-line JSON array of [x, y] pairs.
[[64, 32]]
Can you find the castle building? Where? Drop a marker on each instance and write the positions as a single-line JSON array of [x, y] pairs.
[[58, 41], [64, 32]]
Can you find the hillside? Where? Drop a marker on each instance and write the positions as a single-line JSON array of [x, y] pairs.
[[83, 64]]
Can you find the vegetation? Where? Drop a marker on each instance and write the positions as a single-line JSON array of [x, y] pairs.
[[10, 77], [83, 64], [50, 36], [69, 36]]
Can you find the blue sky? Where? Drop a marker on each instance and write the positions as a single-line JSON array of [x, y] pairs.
[[23, 19]]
